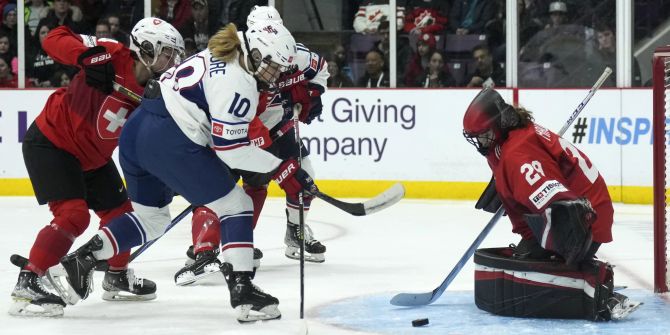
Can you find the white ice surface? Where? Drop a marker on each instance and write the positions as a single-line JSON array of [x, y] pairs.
[[409, 247]]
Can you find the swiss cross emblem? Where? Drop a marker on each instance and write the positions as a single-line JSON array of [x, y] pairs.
[[112, 115]]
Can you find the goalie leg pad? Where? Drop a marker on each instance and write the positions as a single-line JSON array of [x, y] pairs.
[[565, 228], [544, 288]]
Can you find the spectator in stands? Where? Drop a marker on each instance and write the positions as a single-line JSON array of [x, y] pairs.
[[340, 57], [426, 16], [418, 64], [64, 14], [40, 67], [102, 29], [558, 12], [375, 73], [61, 79], [372, 17], [199, 27], [607, 47], [471, 16], [8, 26], [177, 12], [436, 75], [531, 17], [337, 78], [7, 78], [5, 49], [35, 11], [115, 29], [487, 73]]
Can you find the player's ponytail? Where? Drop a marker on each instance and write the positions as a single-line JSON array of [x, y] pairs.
[[225, 44], [525, 116]]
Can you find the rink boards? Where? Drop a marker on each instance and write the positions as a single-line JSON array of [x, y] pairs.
[[367, 139]]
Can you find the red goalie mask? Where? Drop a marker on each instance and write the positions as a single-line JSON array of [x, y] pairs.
[[488, 120]]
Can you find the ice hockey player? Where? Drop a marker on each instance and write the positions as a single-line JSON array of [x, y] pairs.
[[68, 153], [558, 202], [205, 103], [304, 86]]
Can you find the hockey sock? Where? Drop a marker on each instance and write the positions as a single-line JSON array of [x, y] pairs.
[[71, 218], [293, 209], [122, 233], [205, 230], [258, 195], [237, 238], [120, 261]]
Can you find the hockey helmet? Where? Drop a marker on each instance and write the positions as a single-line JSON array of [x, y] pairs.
[[488, 120], [152, 37], [271, 48], [263, 13]]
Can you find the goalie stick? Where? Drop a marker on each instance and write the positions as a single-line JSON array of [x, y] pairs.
[[418, 299]]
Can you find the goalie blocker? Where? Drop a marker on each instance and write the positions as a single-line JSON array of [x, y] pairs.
[[548, 288]]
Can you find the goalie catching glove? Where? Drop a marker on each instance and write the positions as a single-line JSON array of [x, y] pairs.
[[293, 179], [97, 65], [294, 89], [565, 228]]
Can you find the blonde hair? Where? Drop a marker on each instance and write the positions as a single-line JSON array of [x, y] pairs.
[[225, 44]]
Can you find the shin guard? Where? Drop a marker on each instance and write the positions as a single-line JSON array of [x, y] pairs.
[[71, 218], [205, 230], [120, 261]]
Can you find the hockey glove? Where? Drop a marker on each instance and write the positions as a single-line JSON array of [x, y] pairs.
[[315, 105], [293, 90], [293, 179], [97, 65], [565, 228], [489, 201]]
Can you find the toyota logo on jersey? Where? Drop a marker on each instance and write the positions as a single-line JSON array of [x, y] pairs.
[[112, 116]]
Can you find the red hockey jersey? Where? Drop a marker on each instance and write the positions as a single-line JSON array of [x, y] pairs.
[[80, 119], [535, 167]]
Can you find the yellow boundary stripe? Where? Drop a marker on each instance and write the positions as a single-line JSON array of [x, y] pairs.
[[370, 188]]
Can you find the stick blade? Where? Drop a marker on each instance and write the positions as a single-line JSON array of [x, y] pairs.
[[384, 200], [412, 299]]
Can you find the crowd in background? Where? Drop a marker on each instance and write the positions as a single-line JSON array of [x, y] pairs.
[[440, 43]]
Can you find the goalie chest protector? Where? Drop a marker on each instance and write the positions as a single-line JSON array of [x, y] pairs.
[[541, 288]]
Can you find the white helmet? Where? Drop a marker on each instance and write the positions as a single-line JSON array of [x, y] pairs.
[[268, 42], [263, 13], [152, 36]]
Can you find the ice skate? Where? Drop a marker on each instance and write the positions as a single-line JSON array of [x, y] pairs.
[[78, 267], [205, 264], [314, 250], [619, 306], [249, 301], [124, 286], [31, 298]]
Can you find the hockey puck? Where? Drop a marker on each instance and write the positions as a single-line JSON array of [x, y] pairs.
[[419, 322]]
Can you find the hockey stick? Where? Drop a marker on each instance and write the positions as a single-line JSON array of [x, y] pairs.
[[418, 299], [301, 201]]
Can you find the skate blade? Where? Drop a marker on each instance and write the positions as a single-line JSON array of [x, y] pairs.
[[245, 314], [23, 308], [57, 278], [294, 253], [622, 313], [186, 279], [118, 296]]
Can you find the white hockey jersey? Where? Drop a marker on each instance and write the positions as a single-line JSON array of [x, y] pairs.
[[316, 72], [213, 102]]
